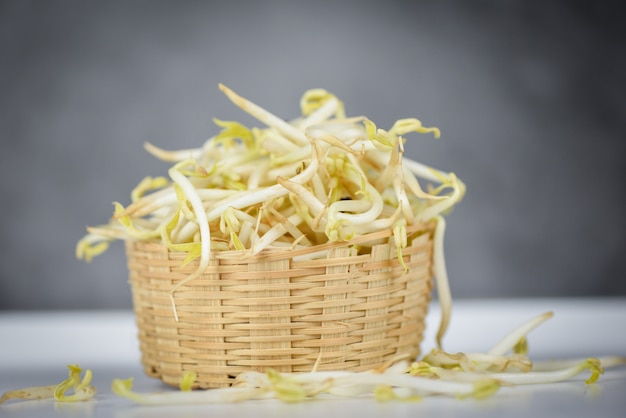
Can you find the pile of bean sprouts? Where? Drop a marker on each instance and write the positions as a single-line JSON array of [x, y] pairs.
[[322, 177]]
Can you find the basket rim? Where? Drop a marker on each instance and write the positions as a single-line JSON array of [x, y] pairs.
[[276, 253]]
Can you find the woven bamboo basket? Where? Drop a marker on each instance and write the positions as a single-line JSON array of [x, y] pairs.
[[354, 309]]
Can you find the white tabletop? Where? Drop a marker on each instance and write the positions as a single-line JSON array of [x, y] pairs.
[[37, 346]]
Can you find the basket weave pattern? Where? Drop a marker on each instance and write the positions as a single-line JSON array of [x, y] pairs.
[[277, 310]]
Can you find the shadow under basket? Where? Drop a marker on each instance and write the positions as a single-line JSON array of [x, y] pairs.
[[355, 308]]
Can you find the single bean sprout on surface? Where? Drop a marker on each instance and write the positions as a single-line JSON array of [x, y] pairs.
[[73, 389]]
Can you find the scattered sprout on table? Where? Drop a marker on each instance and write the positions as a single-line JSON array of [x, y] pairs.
[[79, 389]]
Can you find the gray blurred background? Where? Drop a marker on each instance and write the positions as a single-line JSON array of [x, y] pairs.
[[529, 99]]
